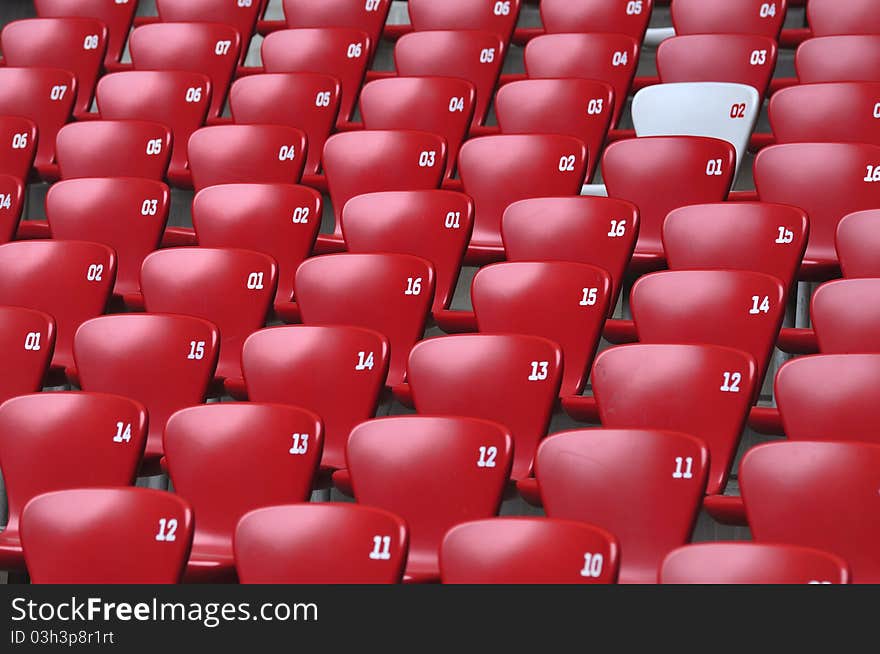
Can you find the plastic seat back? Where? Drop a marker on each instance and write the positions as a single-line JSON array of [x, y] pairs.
[[563, 301], [266, 453], [831, 112], [598, 231], [114, 148], [662, 173], [576, 107], [55, 441], [512, 379], [854, 241], [343, 53], [307, 101], [756, 236], [828, 397], [841, 519], [644, 486], [725, 17], [127, 214], [499, 170], [163, 361], [27, 340], [611, 58], [208, 48], [441, 105], [472, 55], [716, 109], [43, 95], [713, 390], [235, 154], [845, 317], [604, 16], [826, 180], [353, 14], [487, 15], [177, 99], [280, 220], [528, 551], [70, 280], [390, 293], [11, 204], [851, 58], [240, 15], [434, 472], [827, 17], [336, 371], [355, 554], [117, 16], [19, 136], [231, 288], [435, 225], [107, 535], [752, 563], [74, 44], [387, 160]]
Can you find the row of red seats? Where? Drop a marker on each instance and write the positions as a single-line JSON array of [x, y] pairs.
[[643, 486]]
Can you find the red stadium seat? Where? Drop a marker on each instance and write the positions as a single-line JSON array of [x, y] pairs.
[[266, 454], [387, 160], [113, 148], [280, 220], [604, 16], [435, 225], [844, 315], [352, 14], [594, 230], [27, 340], [643, 486], [827, 181], [528, 551], [497, 171], [11, 203], [342, 53], [838, 59], [739, 58], [840, 517], [127, 214], [307, 101], [662, 173], [610, 58], [117, 16], [19, 136], [512, 379], [54, 441], [831, 112], [576, 107], [442, 105], [855, 241], [234, 154], [74, 44], [390, 293], [714, 387], [240, 15], [69, 280], [177, 99], [107, 535], [752, 563], [563, 301], [45, 96], [829, 397], [726, 17], [756, 236], [231, 288], [276, 545], [473, 55], [164, 361], [830, 17], [434, 472], [487, 15], [337, 372], [208, 48]]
